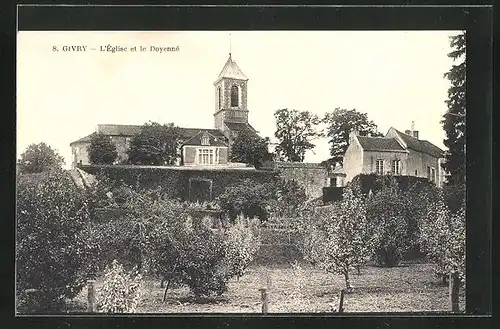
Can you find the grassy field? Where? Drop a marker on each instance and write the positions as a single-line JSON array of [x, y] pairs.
[[406, 288]]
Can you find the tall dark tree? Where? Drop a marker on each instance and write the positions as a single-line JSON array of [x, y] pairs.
[[39, 158], [249, 148], [454, 120], [339, 124], [102, 150], [295, 130], [155, 145]]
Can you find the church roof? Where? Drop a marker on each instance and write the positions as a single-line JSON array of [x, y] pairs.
[[231, 70], [213, 140], [85, 139], [239, 126], [379, 144], [420, 145], [133, 130]]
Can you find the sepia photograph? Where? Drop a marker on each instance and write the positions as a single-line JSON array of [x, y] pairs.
[[226, 172]]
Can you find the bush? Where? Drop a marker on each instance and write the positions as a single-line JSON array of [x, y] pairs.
[[102, 150], [386, 217], [278, 198], [52, 252], [249, 199], [121, 290]]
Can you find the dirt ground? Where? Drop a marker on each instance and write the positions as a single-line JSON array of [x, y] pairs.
[[406, 288]]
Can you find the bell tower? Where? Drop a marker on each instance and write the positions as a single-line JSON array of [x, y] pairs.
[[230, 96]]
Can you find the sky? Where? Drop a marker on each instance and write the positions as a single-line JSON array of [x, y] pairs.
[[396, 77]]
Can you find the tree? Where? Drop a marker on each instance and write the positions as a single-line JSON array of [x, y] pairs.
[[102, 150], [340, 244], [53, 251], [249, 148], [340, 123], [443, 238], [454, 120], [387, 219], [155, 145], [39, 158], [295, 130]]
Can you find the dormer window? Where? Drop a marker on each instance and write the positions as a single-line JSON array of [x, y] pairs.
[[205, 140], [235, 97]]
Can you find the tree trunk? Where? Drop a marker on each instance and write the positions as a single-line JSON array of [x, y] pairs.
[[347, 282], [165, 292], [454, 289], [444, 277]]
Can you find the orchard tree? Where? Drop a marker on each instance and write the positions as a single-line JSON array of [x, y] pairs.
[[443, 238], [340, 123], [39, 158], [54, 253], [295, 130], [155, 145], [454, 119], [102, 150], [249, 148], [341, 244]]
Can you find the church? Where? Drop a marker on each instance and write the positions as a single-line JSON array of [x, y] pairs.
[[200, 147]]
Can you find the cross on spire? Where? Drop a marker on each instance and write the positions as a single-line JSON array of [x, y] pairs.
[[230, 44]]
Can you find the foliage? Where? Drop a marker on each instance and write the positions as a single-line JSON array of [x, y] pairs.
[[387, 221], [249, 148], [242, 241], [155, 145], [160, 237], [102, 150], [295, 130], [278, 198], [39, 158], [443, 237], [340, 244], [454, 120], [52, 251], [340, 123], [247, 198], [121, 290]]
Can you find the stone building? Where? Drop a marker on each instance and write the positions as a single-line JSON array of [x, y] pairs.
[[396, 154], [200, 146]]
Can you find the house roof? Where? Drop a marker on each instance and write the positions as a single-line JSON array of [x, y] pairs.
[[231, 70], [82, 140], [133, 130], [213, 140], [379, 144], [420, 145]]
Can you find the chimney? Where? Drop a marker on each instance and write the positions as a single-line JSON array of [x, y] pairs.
[[415, 134]]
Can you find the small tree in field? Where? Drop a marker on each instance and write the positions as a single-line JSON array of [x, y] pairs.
[[341, 246], [443, 238], [102, 150], [39, 158]]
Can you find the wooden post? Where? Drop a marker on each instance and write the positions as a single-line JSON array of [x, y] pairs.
[[341, 301], [263, 297], [454, 288], [91, 307]]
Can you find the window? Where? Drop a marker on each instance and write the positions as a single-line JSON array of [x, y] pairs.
[[205, 140], [428, 172], [396, 167], [416, 173], [433, 175], [235, 99], [206, 156], [380, 167], [219, 97]]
